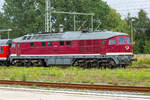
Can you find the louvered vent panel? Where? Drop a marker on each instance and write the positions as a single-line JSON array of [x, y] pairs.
[[82, 46], [89, 46], [96, 46]]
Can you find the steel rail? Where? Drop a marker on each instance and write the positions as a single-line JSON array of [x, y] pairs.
[[79, 86], [138, 67]]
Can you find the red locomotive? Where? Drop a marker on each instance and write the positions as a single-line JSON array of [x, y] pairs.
[[81, 48], [4, 51]]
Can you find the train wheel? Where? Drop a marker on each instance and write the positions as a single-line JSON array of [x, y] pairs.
[[94, 64], [111, 64], [29, 63], [38, 63], [99, 65], [1, 63], [7, 64], [18, 64], [87, 64], [123, 66]]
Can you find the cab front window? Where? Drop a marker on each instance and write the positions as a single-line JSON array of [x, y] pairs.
[[128, 40], [121, 40]]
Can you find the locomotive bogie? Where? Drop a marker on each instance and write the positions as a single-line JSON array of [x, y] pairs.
[[89, 61], [28, 62]]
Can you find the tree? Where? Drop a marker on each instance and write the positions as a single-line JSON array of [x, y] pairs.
[[140, 28], [3, 25], [1, 20], [28, 16], [113, 21], [147, 47], [25, 16], [105, 15]]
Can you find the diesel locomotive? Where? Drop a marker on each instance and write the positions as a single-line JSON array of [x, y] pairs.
[[79, 48]]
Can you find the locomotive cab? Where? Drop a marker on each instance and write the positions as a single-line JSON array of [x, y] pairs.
[[119, 45], [4, 51]]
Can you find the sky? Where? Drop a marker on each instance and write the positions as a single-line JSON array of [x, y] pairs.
[[122, 6], [1, 4], [129, 6]]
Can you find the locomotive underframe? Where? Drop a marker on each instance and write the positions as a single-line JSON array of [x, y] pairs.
[[83, 61]]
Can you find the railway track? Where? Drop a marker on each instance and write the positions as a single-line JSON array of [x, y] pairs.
[[79, 86], [138, 67]]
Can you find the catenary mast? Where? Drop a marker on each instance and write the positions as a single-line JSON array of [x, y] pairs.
[[48, 16], [48, 25]]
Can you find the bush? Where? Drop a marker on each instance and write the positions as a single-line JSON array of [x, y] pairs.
[[12, 78], [24, 78]]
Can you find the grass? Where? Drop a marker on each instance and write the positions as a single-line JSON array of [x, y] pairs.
[[142, 61], [77, 75]]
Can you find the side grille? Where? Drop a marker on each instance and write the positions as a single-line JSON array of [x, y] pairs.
[[82, 46], [96, 46], [89, 46]]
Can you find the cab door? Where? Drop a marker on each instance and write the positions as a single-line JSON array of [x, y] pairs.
[[102, 47], [1, 51], [18, 49], [55, 47]]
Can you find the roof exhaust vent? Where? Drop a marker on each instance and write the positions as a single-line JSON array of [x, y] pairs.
[[105, 30], [61, 28], [85, 31]]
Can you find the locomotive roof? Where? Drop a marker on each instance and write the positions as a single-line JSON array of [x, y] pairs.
[[77, 35], [5, 42]]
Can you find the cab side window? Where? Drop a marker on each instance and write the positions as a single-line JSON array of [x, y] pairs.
[[1, 50], [13, 45], [112, 42], [49, 44], [61, 43], [103, 42], [32, 44], [121, 40], [68, 43], [43, 44]]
